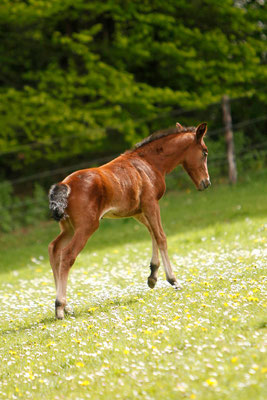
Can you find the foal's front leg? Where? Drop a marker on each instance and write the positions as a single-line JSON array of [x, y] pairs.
[[154, 264], [152, 214]]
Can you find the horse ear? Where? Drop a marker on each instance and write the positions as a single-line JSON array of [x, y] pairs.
[[179, 126], [201, 131]]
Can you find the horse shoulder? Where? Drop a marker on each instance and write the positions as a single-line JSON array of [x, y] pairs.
[[153, 182]]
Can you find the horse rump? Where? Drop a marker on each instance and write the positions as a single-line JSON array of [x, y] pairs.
[[58, 200]]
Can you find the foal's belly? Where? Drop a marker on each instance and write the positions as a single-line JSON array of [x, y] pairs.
[[114, 214], [111, 214]]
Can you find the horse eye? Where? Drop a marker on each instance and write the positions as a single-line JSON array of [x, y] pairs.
[[205, 153]]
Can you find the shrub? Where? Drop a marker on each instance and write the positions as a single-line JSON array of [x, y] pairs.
[[16, 212]]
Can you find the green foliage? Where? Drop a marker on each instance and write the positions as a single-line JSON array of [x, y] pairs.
[[16, 212], [73, 72], [6, 200]]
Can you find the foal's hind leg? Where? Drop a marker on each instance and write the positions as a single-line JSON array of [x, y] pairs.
[[67, 259], [152, 214], [57, 245], [154, 263]]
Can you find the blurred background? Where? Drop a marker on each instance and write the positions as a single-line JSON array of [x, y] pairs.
[[82, 81]]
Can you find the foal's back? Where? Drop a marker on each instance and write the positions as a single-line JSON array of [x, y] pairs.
[[114, 190]]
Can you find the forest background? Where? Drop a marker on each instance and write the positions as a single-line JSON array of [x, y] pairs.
[[81, 81]]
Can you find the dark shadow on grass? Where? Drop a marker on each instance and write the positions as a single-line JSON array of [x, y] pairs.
[[262, 325], [103, 307], [82, 312], [17, 330]]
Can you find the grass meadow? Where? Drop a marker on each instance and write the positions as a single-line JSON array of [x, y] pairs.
[[126, 341]]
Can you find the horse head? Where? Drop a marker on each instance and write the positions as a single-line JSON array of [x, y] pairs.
[[195, 159]]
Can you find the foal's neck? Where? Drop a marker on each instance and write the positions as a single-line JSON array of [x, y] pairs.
[[166, 153]]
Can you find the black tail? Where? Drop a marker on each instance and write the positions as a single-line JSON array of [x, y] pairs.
[[58, 200]]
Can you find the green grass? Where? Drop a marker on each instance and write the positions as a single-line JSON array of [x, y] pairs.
[[125, 341]]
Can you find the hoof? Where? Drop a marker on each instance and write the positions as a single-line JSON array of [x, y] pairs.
[[151, 282], [59, 314], [175, 284], [59, 309], [68, 310]]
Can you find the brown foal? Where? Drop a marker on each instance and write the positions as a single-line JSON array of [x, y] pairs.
[[128, 186]]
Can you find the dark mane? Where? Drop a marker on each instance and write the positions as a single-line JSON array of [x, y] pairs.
[[162, 133]]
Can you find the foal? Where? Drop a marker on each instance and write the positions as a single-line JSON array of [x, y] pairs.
[[128, 186]]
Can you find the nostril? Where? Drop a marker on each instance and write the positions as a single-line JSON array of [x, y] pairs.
[[205, 183]]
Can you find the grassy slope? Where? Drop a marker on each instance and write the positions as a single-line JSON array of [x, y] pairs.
[[125, 341]]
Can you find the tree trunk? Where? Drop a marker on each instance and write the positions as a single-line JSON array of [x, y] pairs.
[[229, 138]]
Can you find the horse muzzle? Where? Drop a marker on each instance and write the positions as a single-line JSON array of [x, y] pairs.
[[204, 184]]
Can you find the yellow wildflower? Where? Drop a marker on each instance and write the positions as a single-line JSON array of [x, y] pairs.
[[211, 382], [253, 299], [85, 383], [79, 364], [50, 344], [92, 309]]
